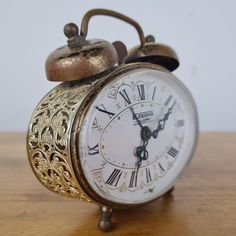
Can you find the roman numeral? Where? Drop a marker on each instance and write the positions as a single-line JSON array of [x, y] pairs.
[[141, 91], [168, 100], [173, 152], [103, 109], [124, 94], [114, 177], [154, 92], [133, 179], [179, 123], [148, 175], [93, 150]]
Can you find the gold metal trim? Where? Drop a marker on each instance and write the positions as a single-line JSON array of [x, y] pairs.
[[48, 139]]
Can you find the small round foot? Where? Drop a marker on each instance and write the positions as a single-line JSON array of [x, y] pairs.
[[105, 223]]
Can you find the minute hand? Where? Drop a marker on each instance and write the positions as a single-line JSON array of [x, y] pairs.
[[161, 122]]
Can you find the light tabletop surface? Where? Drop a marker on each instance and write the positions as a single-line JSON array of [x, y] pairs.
[[203, 202]]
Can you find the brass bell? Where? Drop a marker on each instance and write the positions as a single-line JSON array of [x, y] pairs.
[[155, 53], [81, 58]]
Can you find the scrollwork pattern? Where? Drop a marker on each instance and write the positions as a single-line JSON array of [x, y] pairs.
[[49, 139]]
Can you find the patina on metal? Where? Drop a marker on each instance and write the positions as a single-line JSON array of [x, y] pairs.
[[80, 58], [155, 53]]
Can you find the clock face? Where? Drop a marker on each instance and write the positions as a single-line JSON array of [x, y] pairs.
[[137, 136]]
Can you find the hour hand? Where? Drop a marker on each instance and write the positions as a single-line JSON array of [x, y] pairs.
[[142, 154]]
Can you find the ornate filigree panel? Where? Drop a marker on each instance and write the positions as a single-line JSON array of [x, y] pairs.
[[48, 140]]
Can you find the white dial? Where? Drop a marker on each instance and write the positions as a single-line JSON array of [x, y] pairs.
[[137, 136]]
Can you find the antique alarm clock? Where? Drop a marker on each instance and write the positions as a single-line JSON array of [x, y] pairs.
[[120, 128]]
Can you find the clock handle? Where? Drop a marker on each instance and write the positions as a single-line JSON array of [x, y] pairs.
[[89, 14]]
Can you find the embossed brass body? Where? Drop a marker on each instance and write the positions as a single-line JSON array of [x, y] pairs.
[[49, 136]]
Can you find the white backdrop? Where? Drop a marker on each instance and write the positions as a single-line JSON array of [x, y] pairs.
[[202, 32]]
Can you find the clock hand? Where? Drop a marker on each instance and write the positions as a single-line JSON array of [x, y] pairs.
[[145, 133], [135, 117], [142, 154], [161, 122], [144, 130], [127, 100], [141, 151]]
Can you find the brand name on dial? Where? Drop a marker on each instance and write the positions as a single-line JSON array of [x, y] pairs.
[[144, 117]]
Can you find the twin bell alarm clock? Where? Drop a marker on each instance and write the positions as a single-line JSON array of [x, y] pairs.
[[120, 127]]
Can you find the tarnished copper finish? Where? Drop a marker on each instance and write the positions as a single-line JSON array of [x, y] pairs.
[[80, 58], [156, 53]]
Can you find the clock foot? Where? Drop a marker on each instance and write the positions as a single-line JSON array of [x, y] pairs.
[[105, 223]]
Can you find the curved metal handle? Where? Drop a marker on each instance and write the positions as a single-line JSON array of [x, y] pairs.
[[89, 14]]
